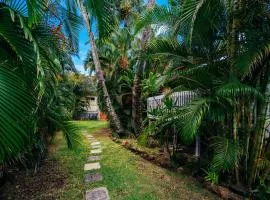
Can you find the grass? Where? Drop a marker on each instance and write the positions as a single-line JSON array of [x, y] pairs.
[[126, 175], [72, 161], [129, 177]]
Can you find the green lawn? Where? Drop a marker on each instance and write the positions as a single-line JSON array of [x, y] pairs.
[[127, 176], [72, 161]]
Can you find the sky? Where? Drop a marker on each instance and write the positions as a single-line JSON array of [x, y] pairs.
[[84, 45]]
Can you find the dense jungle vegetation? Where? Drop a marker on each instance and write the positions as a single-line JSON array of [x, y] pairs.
[[217, 49]]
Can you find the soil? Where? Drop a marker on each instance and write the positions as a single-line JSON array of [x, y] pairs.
[[161, 158], [40, 185]]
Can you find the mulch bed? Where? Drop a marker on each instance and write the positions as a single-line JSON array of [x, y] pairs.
[[31, 185]]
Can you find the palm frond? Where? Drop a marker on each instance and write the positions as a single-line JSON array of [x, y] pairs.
[[254, 58], [103, 12], [160, 17], [167, 47], [192, 117], [226, 154], [18, 106], [236, 89]]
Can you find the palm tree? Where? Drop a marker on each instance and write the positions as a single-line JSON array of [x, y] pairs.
[[137, 117], [224, 61], [117, 57], [100, 10], [34, 50]]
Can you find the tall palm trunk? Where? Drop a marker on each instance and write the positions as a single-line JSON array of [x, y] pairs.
[[234, 25], [259, 135], [257, 143], [99, 74], [137, 118]]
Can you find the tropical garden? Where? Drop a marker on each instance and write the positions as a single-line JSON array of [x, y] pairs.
[[216, 49]]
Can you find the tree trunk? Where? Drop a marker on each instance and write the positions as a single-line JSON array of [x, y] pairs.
[[137, 118], [233, 48], [259, 135], [248, 128], [257, 148], [99, 73], [236, 141]]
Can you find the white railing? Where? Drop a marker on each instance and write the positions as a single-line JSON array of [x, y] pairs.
[[179, 99]]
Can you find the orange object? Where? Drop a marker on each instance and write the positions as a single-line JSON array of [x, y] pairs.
[[103, 116]]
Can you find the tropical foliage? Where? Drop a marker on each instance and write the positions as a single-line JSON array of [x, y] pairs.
[[216, 49], [35, 56], [219, 51]]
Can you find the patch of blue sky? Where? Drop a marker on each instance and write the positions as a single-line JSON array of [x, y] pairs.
[[84, 45]]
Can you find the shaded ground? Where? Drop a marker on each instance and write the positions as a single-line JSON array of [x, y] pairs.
[[59, 177], [44, 184], [126, 175]]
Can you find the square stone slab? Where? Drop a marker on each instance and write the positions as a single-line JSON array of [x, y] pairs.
[[93, 158], [92, 141], [96, 147], [91, 178], [96, 151], [91, 166], [97, 194], [95, 143]]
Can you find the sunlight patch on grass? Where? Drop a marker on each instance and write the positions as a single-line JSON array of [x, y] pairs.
[[126, 175]]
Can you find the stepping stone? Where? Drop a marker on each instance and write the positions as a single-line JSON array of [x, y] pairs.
[[96, 147], [91, 178], [93, 158], [91, 141], [91, 166], [97, 194], [95, 143], [96, 151]]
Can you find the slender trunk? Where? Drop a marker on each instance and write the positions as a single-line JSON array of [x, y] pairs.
[[236, 141], [248, 131], [234, 26], [137, 118], [260, 127], [98, 70], [256, 150], [234, 32]]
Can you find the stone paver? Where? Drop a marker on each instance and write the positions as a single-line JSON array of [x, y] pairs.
[[91, 166], [91, 136], [93, 158], [96, 147], [96, 151], [91, 178], [95, 143], [91, 141], [97, 194]]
